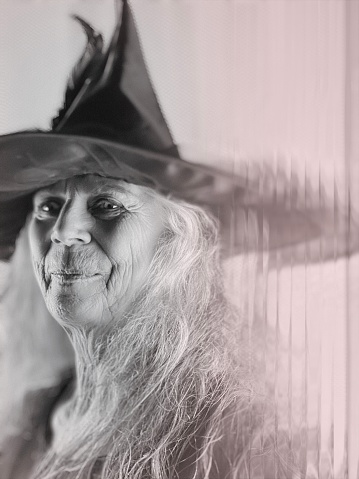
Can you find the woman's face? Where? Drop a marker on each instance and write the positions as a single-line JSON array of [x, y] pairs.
[[92, 240]]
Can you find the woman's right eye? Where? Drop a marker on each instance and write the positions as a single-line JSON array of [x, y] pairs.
[[48, 209]]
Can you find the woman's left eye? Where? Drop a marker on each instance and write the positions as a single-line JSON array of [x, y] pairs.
[[106, 208]]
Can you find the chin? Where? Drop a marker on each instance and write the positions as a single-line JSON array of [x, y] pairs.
[[77, 303], [78, 313]]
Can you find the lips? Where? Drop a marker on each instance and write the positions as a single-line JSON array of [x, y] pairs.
[[66, 277], [73, 274], [64, 266]]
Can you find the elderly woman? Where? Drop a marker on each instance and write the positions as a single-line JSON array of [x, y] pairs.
[[131, 274], [155, 382]]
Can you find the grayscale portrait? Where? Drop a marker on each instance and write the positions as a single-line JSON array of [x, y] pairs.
[[178, 239]]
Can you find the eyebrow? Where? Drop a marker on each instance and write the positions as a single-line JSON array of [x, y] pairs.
[[107, 188], [116, 190], [97, 189]]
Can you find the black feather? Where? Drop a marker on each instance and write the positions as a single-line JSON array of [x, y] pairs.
[[86, 70]]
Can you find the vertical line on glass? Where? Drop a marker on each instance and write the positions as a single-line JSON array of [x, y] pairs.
[[265, 260], [277, 333], [351, 51], [290, 332], [319, 431]]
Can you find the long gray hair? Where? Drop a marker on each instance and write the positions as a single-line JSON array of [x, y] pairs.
[[161, 393]]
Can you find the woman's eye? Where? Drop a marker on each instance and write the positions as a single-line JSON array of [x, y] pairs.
[[48, 208], [107, 208], [107, 205]]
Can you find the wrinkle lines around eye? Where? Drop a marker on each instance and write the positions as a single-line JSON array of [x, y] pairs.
[[134, 208]]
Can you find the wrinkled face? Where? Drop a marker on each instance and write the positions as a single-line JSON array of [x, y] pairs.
[[92, 240]]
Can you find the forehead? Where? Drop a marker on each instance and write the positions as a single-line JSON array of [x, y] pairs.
[[94, 184]]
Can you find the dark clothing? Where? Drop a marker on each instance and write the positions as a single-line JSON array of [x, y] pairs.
[[20, 453]]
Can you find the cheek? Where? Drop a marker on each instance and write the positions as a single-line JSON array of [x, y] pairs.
[[134, 241], [39, 239], [131, 247], [144, 247]]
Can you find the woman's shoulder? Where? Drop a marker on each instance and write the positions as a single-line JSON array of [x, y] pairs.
[[21, 448]]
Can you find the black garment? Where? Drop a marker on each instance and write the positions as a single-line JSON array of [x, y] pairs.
[[20, 453]]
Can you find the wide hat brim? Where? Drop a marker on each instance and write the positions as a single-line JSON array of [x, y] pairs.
[[33, 160]]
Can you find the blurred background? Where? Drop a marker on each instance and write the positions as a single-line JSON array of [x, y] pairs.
[[269, 90]]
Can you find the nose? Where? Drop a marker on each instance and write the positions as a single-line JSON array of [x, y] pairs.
[[72, 226]]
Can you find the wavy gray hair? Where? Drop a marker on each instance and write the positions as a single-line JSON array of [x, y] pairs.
[[161, 392]]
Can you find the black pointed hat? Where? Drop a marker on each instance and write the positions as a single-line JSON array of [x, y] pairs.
[[111, 124]]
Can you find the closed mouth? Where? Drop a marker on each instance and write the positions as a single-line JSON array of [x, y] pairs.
[[73, 276]]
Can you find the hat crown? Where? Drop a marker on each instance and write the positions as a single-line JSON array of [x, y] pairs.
[[109, 94]]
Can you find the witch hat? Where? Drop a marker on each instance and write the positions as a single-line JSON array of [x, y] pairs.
[[111, 124]]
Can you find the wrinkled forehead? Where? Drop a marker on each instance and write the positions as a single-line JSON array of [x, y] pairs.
[[96, 185]]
